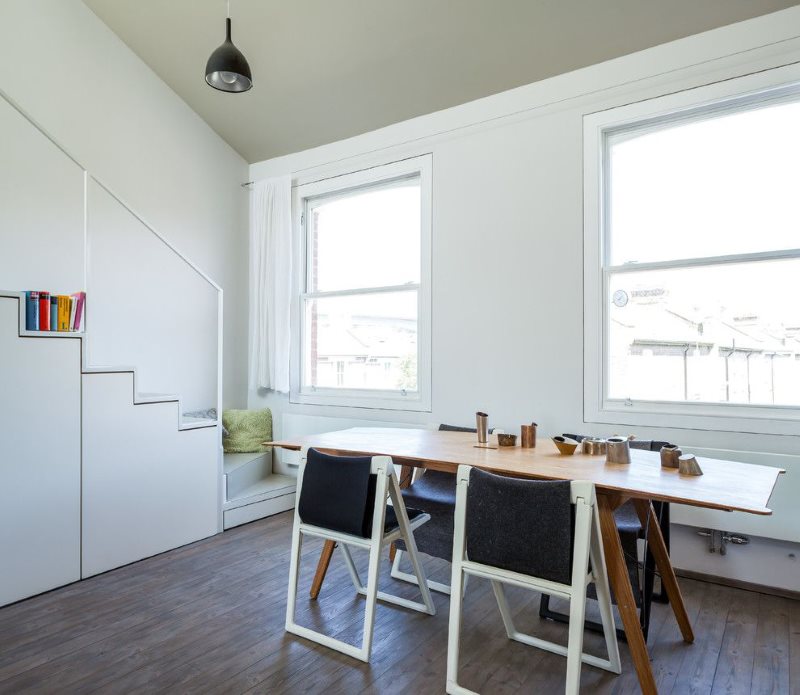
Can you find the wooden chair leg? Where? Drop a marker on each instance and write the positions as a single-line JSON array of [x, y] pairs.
[[322, 568], [647, 517], [621, 584]]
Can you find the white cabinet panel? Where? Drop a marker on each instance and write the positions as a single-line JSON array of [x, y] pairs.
[[147, 487], [40, 451]]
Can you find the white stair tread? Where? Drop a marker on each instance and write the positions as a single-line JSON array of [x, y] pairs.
[[230, 462], [51, 334], [155, 397], [193, 423], [271, 486]]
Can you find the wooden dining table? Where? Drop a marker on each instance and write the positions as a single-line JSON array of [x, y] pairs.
[[724, 485]]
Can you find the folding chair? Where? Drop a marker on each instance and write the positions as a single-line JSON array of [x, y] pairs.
[[630, 531], [434, 492], [343, 499], [518, 532]]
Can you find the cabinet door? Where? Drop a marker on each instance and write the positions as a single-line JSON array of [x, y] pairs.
[[40, 470]]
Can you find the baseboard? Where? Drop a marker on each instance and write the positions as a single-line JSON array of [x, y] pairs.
[[738, 584]]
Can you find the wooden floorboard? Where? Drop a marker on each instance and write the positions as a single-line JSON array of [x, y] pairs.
[[208, 618]]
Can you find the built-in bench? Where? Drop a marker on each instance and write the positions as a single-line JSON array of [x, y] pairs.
[[252, 490]]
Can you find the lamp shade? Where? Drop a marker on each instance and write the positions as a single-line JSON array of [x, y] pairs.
[[227, 69]]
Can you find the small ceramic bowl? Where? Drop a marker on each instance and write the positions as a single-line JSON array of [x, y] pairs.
[[565, 445], [507, 439]]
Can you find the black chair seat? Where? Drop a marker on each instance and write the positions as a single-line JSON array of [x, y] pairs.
[[435, 493], [627, 519], [434, 489], [391, 523]]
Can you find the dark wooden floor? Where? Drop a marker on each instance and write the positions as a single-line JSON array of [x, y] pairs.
[[208, 618]]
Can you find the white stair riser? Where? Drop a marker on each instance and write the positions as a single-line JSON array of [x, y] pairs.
[[247, 475], [259, 510]]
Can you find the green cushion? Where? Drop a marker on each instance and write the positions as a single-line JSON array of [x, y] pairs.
[[247, 429]]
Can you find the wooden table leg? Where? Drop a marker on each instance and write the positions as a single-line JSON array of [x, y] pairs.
[[406, 477], [322, 568], [647, 517], [621, 585]]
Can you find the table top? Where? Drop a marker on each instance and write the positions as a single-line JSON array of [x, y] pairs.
[[726, 485]]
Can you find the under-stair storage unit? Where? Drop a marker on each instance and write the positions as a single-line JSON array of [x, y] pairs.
[[40, 459], [99, 467], [252, 490], [142, 495]]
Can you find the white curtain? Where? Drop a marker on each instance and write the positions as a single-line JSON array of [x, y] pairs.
[[270, 283]]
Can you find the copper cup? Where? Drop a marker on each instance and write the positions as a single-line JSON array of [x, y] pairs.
[[669, 456], [618, 450], [528, 436], [482, 426]]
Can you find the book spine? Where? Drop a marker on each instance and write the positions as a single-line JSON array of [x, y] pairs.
[[33, 308], [53, 312], [63, 313], [30, 316], [81, 300], [44, 311], [73, 307]]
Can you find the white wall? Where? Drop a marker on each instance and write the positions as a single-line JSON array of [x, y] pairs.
[[80, 82], [508, 226]]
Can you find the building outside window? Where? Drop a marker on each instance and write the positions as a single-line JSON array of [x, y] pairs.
[[364, 300], [695, 236]]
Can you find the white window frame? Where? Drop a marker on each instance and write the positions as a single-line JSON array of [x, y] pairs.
[[768, 87], [342, 184]]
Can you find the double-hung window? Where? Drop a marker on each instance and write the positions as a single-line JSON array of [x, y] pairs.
[[364, 288], [692, 234]]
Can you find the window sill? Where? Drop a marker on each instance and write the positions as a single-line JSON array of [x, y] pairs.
[[353, 399], [697, 416]]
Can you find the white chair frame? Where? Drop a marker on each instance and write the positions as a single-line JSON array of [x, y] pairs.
[[386, 484], [587, 545], [404, 576]]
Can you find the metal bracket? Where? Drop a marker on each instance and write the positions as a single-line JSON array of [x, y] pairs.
[[718, 540]]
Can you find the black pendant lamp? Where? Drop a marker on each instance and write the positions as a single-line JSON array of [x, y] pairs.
[[227, 69]]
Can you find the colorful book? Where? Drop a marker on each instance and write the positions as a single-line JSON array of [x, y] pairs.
[[44, 311], [32, 311], [73, 307], [63, 312], [53, 312], [80, 299]]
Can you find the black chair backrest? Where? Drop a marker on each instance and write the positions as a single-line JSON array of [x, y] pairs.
[[642, 444], [648, 444], [519, 525], [458, 428], [338, 493]]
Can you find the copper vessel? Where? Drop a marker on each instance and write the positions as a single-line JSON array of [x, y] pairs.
[[528, 436], [594, 446], [565, 445], [482, 425], [688, 465], [618, 450], [669, 456]]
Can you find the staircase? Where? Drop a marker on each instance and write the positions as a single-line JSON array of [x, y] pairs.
[[94, 475], [100, 465]]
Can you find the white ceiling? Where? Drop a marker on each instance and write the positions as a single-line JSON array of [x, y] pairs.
[[324, 70]]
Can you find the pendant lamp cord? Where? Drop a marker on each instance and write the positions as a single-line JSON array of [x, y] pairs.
[[228, 2]]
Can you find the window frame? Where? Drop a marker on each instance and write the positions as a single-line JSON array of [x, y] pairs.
[[768, 88], [339, 185]]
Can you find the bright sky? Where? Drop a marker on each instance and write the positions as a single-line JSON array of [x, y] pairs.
[[369, 239], [720, 186]]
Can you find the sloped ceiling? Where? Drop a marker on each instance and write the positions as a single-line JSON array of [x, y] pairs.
[[324, 70]]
